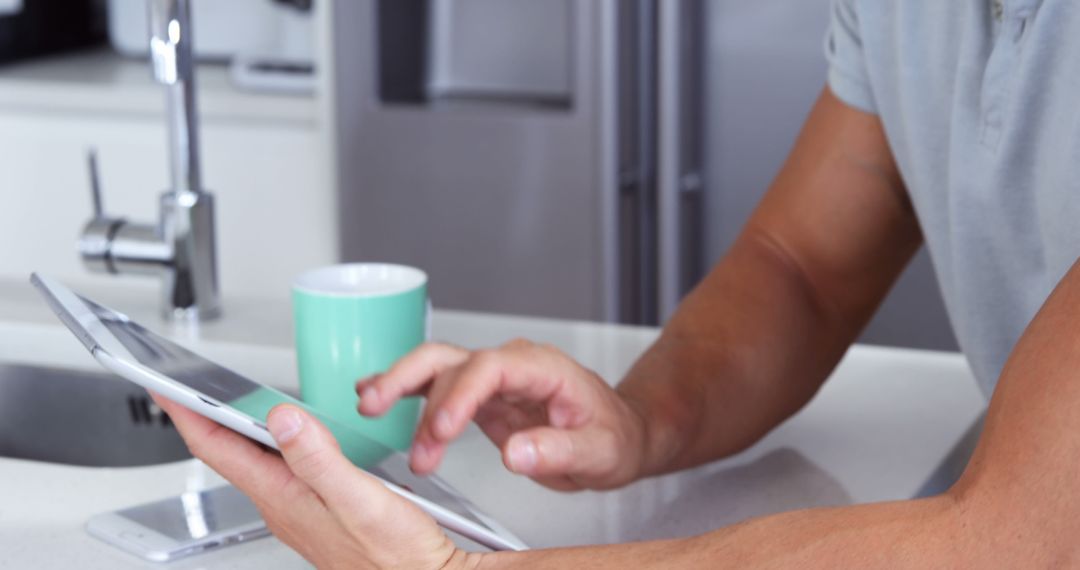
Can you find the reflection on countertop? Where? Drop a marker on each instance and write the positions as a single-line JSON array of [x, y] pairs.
[[781, 480]]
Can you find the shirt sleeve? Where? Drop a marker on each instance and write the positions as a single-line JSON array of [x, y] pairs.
[[848, 77]]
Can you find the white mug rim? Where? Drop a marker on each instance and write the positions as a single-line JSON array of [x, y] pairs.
[[314, 281]]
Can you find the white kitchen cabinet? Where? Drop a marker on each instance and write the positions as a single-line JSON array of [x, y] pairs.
[[264, 156]]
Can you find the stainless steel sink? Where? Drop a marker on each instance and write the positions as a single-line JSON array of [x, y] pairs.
[[82, 418]]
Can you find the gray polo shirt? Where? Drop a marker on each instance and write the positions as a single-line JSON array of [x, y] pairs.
[[980, 100]]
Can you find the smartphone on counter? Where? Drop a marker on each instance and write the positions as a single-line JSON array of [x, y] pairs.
[[176, 527]]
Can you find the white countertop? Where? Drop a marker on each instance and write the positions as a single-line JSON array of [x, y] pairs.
[[875, 432]]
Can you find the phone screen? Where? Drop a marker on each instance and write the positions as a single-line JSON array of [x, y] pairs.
[[196, 515]]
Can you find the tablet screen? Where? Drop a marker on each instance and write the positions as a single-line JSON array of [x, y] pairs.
[[102, 328], [256, 400]]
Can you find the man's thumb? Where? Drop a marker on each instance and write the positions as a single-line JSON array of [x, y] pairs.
[[314, 455], [547, 451]]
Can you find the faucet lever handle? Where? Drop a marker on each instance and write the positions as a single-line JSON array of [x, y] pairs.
[[95, 183], [95, 243]]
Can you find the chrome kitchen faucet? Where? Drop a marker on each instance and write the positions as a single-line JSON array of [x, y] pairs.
[[181, 246]]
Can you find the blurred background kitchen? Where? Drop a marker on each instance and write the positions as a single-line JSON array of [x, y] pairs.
[[581, 159]]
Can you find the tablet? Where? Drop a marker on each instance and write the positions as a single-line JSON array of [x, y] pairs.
[[127, 349]]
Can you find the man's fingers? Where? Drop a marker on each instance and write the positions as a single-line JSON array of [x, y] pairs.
[[519, 372], [499, 420], [407, 376], [241, 461], [315, 457], [548, 452], [523, 374], [426, 454], [262, 475], [186, 421]]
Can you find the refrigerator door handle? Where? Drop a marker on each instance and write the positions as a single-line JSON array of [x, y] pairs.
[[679, 179]]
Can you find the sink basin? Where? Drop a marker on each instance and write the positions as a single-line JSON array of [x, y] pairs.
[[82, 418]]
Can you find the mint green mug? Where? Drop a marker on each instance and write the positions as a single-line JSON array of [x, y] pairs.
[[352, 321]]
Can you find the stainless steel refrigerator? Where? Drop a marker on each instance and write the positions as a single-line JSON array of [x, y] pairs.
[[534, 156], [587, 159]]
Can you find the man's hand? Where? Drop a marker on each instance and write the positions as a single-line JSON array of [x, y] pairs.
[[554, 420], [315, 500]]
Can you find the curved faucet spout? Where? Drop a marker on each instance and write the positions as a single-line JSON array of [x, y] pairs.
[[173, 66], [181, 246]]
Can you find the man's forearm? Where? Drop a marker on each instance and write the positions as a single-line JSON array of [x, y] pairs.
[[748, 348], [908, 534], [759, 335]]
